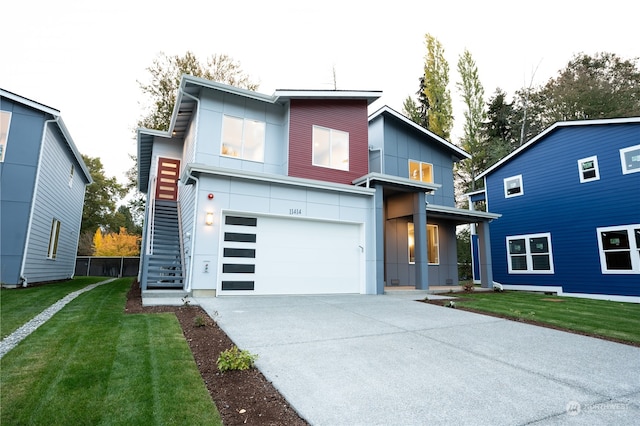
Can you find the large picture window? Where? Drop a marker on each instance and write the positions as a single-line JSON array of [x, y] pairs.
[[243, 138], [420, 171], [5, 121], [588, 169], [54, 236], [530, 254], [630, 159], [330, 148], [619, 249], [513, 186], [433, 246]]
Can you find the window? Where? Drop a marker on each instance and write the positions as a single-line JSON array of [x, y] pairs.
[[5, 120], [513, 186], [71, 176], [243, 138], [330, 148], [53, 239], [530, 254], [630, 159], [588, 169], [420, 171], [433, 249], [619, 249]]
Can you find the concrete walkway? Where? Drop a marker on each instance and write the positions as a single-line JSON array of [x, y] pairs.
[[389, 360]]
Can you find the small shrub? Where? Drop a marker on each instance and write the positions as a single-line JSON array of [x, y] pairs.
[[450, 304], [198, 321], [235, 359], [468, 287], [186, 302]]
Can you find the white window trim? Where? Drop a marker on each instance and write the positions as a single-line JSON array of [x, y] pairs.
[[529, 255], [313, 150], [420, 163], [506, 194], [595, 166], [3, 153], [634, 250], [241, 156], [54, 239], [71, 173], [623, 151]]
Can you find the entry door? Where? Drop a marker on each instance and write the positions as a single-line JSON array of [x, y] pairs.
[[167, 182]]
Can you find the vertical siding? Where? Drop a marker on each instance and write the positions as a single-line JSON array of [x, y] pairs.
[[186, 198], [348, 116], [555, 201], [17, 179], [55, 199]]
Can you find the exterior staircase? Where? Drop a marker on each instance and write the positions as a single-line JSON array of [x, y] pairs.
[[164, 268]]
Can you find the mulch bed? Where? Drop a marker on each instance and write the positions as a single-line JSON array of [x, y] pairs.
[[242, 397]]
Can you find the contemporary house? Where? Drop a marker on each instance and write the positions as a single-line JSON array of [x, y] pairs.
[[570, 206], [299, 192], [42, 187]]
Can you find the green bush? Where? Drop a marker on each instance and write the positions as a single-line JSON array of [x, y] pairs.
[[235, 359]]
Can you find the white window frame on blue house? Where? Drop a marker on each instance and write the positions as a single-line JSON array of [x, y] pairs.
[[630, 159], [54, 237], [620, 248], [247, 142], [587, 165], [508, 186], [528, 254], [5, 123]]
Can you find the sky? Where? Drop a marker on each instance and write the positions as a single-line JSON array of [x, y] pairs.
[[86, 58]]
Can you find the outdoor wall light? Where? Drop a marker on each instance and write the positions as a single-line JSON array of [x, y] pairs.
[[208, 219]]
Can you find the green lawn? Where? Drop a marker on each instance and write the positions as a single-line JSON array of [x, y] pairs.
[[602, 318], [93, 364], [17, 306]]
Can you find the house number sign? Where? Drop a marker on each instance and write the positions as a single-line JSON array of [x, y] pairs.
[[296, 212]]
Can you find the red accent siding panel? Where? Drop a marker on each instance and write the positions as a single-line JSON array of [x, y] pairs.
[[345, 115]]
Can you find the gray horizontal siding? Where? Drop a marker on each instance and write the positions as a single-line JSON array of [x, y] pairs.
[[55, 199]]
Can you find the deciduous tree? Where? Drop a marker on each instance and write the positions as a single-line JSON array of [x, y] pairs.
[[100, 198], [116, 244]]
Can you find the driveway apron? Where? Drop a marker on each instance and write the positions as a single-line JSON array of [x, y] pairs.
[[391, 360]]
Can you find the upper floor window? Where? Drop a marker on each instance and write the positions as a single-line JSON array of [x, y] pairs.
[[588, 169], [243, 138], [330, 148], [619, 249], [420, 171], [53, 239], [513, 186], [5, 120], [71, 176], [630, 159], [530, 254]]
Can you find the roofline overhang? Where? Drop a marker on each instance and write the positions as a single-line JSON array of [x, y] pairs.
[[550, 129], [386, 109], [197, 169], [59, 122], [461, 215], [397, 181], [369, 95]]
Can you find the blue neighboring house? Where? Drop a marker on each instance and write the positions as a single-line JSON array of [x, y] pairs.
[[42, 186], [570, 206]]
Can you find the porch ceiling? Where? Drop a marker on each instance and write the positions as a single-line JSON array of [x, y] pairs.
[[459, 216]]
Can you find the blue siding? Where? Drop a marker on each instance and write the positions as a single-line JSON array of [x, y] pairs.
[[555, 201], [17, 178]]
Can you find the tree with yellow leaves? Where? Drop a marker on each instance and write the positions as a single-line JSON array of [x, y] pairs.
[[112, 244]]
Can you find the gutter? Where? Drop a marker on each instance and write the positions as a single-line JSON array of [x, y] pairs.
[[22, 278]]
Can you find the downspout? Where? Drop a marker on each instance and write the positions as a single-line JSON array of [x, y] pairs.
[[193, 232], [23, 279], [197, 187]]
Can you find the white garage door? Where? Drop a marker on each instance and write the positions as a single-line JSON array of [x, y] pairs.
[[270, 255]]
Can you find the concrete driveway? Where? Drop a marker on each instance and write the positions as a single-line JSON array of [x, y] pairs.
[[389, 360]]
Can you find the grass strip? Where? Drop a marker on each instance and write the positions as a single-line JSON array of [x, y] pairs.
[[616, 320], [93, 364], [17, 306]]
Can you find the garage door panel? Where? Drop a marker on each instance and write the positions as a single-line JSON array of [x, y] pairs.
[[295, 256]]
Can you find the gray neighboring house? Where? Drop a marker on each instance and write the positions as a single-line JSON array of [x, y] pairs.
[[42, 186]]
